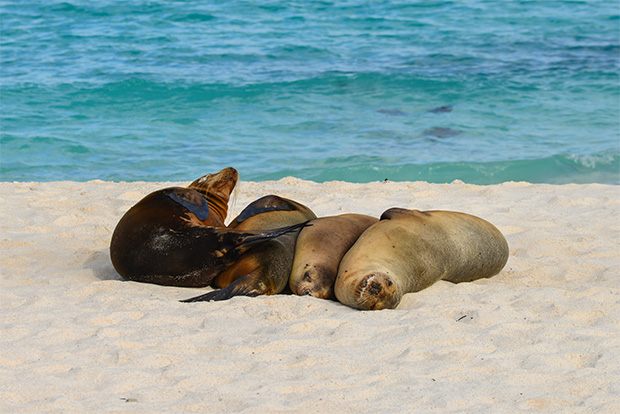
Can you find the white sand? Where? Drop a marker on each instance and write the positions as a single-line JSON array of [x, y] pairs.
[[542, 336]]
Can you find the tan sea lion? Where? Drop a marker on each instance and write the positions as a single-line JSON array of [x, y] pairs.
[[319, 249], [263, 270], [169, 237], [409, 250], [271, 211]]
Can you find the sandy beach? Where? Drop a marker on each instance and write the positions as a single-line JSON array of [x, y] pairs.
[[541, 336]]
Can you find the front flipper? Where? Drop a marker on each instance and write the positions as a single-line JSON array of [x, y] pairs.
[[248, 285], [192, 200]]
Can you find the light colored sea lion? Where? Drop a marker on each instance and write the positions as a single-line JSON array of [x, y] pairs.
[[263, 270], [319, 249], [168, 237], [409, 250]]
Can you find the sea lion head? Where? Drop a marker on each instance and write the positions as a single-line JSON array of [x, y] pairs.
[[216, 189], [315, 282], [376, 290]]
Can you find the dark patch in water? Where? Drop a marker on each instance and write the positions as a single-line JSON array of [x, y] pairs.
[[441, 109], [392, 112], [438, 132]]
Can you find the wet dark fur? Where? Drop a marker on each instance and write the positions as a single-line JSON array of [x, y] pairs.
[[162, 240]]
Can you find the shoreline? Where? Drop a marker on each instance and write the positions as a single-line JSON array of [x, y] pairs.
[[541, 335]]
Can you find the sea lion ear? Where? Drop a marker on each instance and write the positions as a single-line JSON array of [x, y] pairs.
[[192, 200]]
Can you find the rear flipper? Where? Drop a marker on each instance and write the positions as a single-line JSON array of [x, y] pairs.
[[270, 234], [248, 285], [252, 239]]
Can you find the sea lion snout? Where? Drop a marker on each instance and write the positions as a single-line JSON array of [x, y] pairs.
[[376, 290]]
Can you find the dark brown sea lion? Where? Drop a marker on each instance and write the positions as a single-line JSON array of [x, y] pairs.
[[319, 249], [168, 237], [265, 269], [409, 250]]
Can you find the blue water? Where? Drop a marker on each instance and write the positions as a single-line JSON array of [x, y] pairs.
[[484, 91]]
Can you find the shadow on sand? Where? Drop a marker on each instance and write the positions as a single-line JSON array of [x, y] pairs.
[[101, 265]]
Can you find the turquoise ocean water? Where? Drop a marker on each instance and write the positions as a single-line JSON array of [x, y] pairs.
[[484, 91]]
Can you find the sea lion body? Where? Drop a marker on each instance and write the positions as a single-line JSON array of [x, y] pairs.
[[174, 237], [409, 250], [265, 269], [319, 250]]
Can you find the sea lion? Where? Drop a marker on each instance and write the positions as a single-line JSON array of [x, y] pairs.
[[165, 238], [319, 249], [263, 270], [269, 212], [409, 250]]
